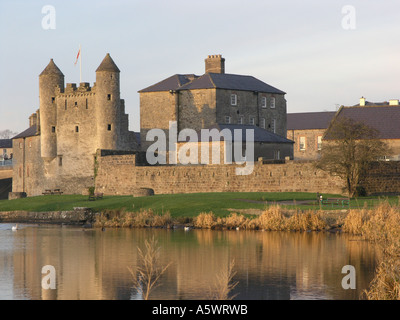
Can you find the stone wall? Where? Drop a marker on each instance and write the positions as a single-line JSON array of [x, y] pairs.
[[76, 216], [32, 174], [382, 178], [118, 175]]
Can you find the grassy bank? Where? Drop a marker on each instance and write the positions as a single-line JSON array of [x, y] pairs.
[[186, 205]]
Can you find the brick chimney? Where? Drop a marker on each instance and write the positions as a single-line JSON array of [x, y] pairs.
[[215, 64]]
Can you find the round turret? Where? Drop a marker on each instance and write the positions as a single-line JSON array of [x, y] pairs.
[[108, 104], [49, 79]]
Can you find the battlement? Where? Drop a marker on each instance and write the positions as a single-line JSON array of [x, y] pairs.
[[83, 87]]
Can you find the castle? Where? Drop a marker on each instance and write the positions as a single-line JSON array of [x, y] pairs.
[[74, 125], [58, 149]]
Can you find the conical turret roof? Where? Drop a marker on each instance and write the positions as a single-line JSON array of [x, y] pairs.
[[51, 69], [108, 64]]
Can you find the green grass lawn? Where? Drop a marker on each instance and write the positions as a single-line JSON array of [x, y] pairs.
[[179, 205]]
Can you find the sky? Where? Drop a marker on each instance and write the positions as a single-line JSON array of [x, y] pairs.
[[323, 54]]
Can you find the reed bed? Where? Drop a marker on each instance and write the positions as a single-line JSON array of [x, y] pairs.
[[140, 219], [274, 218], [382, 226]]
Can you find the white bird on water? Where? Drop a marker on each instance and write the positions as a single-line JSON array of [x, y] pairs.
[[14, 228]]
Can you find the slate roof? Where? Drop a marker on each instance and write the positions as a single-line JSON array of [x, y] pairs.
[[5, 143], [309, 120], [260, 135], [172, 83], [213, 80], [384, 119], [108, 64], [30, 132]]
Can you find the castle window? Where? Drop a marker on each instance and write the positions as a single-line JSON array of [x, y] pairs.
[[60, 161], [264, 102], [65, 104], [272, 103], [233, 99], [109, 127], [227, 119], [252, 121], [262, 123], [302, 143], [109, 97], [76, 103], [53, 99], [319, 142], [86, 104], [53, 129], [76, 129]]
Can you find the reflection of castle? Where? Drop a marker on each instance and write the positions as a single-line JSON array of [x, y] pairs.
[[94, 265]]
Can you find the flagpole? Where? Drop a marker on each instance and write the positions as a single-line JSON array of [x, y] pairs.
[[80, 64]]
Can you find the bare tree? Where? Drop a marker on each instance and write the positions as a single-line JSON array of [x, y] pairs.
[[349, 149], [147, 274], [224, 284], [7, 134]]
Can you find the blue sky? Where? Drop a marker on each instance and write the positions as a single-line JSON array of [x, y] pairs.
[[299, 47]]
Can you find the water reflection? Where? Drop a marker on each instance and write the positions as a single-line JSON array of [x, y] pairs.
[[93, 264]]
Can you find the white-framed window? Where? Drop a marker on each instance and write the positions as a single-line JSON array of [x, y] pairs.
[[252, 121], [319, 142], [277, 154], [262, 123], [227, 119], [233, 99], [263, 102], [240, 120], [272, 103], [302, 143], [273, 125]]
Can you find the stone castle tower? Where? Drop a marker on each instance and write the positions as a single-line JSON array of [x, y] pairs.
[[72, 123], [96, 113]]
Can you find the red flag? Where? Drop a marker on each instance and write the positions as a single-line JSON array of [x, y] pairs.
[[77, 57]]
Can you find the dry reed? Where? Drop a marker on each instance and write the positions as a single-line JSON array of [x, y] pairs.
[[224, 284], [149, 270], [141, 219], [382, 226]]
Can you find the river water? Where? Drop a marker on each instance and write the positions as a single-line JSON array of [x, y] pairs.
[[94, 264]]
